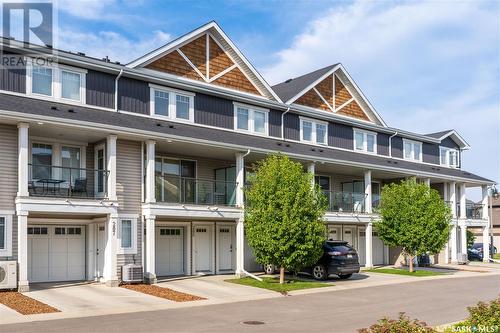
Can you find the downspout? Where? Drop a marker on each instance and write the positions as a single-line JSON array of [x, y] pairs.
[[116, 89], [390, 143], [283, 123]]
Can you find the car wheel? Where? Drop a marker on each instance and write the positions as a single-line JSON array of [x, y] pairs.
[[319, 272], [269, 269], [345, 276]]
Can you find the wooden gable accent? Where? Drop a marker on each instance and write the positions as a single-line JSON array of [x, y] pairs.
[[175, 64], [342, 95], [312, 99], [325, 88], [345, 103], [353, 110], [190, 61]]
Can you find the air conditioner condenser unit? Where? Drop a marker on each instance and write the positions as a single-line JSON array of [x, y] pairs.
[[132, 273], [8, 274]]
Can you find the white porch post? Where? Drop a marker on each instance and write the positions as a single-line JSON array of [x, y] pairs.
[[453, 200], [463, 202], [22, 161], [150, 171], [150, 272], [427, 181], [368, 193], [110, 269], [240, 226], [486, 244], [311, 168], [463, 239], [368, 245], [453, 241], [447, 246], [485, 211], [22, 251], [111, 161]]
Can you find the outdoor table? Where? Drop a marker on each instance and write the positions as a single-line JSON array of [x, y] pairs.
[[52, 184]]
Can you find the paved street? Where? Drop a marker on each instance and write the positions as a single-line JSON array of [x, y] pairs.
[[434, 301]]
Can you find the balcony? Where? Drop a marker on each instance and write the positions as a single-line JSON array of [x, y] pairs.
[[473, 211], [66, 182], [345, 202], [194, 191]]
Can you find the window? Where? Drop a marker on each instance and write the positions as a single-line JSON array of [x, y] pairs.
[[127, 232], [250, 119], [172, 104], [365, 141], [42, 81], [449, 157], [70, 161], [313, 131], [41, 158], [57, 82], [412, 150], [5, 234]]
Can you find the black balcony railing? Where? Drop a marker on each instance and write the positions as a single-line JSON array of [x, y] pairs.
[[345, 201], [472, 210], [195, 191], [65, 182]]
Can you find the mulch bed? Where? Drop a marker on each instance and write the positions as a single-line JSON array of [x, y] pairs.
[[166, 293], [23, 304]]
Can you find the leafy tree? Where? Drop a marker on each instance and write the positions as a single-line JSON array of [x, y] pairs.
[[414, 217], [284, 215], [471, 238]]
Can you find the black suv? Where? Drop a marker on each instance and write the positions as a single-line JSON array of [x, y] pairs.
[[338, 258]]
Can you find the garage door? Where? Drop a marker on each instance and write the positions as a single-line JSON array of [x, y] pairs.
[[378, 250], [169, 251], [56, 253]]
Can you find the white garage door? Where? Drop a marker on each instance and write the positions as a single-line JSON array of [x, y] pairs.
[[169, 251], [56, 253]]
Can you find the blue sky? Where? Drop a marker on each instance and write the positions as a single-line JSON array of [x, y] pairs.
[[425, 66]]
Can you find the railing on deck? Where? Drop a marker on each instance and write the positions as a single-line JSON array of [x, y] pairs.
[[472, 210], [345, 201], [196, 191], [66, 182]]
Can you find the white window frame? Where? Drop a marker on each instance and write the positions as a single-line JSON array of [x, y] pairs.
[[365, 141], [413, 144], [57, 83], [251, 119], [7, 251], [133, 248], [447, 157], [172, 103], [313, 134]]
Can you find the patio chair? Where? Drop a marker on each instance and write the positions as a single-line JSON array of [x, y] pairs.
[[80, 186], [32, 187]]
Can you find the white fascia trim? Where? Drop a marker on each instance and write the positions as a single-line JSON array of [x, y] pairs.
[[465, 145], [168, 89], [313, 84], [144, 135]]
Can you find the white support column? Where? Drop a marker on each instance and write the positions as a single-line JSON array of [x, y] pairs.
[[453, 200], [368, 245], [463, 239], [22, 162], [22, 251], [485, 211], [368, 192], [427, 181], [311, 168], [240, 226], [453, 241], [486, 244], [150, 263], [111, 162], [110, 268], [150, 171], [447, 252], [463, 202]]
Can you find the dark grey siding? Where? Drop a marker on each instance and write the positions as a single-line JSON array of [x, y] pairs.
[[133, 95], [292, 126], [100, 89], [213, 111], [13, 79], [275, 123], [448, 142], [430, 153], [397, 146], [383, 144], [340, 136]]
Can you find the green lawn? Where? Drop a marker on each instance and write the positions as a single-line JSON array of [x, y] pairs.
[[496, 256], [401, 271], [273, 283]]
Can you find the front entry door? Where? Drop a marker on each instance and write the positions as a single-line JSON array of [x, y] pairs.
[[225, 247], [202, 248], [100, 246]]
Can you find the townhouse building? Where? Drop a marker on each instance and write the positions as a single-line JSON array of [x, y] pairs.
[[105, 164]]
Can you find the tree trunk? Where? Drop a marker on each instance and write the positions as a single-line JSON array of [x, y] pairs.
[[282, 275], [411, 263]]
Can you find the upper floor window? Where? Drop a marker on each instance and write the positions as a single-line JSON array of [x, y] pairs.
[[251, 119], [172, 104], [412, 150], [313, 131], [449, 157], [365, 141], [57, 82]]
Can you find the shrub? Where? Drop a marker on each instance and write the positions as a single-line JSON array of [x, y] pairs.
[[401, 325], [483, 314]]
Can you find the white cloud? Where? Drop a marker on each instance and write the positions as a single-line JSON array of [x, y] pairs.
[[87, 9], [114, 45]]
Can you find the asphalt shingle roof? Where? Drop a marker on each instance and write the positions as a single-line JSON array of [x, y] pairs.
[[438, 135]]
